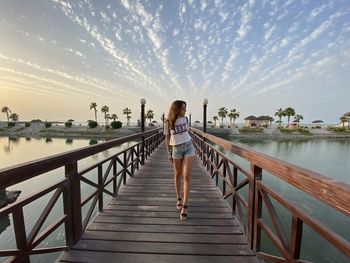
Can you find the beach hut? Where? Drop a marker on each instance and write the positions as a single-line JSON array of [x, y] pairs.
[[252, 121]]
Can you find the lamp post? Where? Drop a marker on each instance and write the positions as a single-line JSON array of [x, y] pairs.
[[205, 102], [143, 102], [190, 118], [163, 119]]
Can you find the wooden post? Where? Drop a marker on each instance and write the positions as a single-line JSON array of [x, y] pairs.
[[255, 174], [132, 160], [223, 173], [100, 186], [143, 130], [72, 204], [234, 204], [125, 167], [257, 215], [20, 234], [296, 236], [114, 177]]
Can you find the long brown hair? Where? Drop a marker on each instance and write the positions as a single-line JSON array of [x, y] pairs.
[[174, 112]]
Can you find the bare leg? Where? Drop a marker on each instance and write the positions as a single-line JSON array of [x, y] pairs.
[[177, 163], [188, 160]]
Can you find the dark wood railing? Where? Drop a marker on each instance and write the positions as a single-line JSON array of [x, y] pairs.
[[70, 188], [327, 190]]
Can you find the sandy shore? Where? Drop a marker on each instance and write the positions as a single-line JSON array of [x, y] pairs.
[[36, 131]]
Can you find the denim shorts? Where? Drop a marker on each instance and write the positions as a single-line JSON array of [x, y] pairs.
[[183, 149]]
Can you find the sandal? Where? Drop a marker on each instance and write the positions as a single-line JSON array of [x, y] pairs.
[[179, 203], [183, 216]]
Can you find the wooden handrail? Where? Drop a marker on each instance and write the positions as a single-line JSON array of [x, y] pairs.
[[24, 171], [333, 193], [326, 189], [70, 189]]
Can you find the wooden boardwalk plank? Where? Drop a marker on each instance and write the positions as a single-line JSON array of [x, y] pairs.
[[141, 224]]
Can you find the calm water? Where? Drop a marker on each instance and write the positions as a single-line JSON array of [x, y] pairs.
[[329, 157], [18, 150]]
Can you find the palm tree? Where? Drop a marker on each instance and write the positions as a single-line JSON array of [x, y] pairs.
[[127, 111], [150, 115], [222, 113], [93, 105], [280, 113], [6, 110], [215, 118], [14, 117], [235, 115], [114, 116], [289, 112], [105, 109], [343, 119], [298, 118]]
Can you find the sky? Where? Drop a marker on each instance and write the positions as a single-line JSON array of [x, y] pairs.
[[56, 57]]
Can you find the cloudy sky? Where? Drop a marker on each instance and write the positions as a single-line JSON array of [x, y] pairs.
[[56, 57]]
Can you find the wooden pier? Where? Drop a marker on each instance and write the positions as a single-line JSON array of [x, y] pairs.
[[142, 224]]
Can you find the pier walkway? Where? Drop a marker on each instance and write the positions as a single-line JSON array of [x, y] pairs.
[[141, 224]]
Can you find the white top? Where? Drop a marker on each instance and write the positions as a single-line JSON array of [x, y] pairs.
[[180, 133]]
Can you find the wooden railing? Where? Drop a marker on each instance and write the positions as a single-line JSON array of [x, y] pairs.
[[328, 191], [70, 188]]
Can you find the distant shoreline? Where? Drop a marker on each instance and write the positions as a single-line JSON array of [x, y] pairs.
[[60, 131]]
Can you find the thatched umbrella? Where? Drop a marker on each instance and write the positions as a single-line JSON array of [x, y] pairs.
[[318, 121]]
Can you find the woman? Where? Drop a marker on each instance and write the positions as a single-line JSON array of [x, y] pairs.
[[180, 151]]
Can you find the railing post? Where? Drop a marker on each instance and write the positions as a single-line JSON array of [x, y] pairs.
[[114, 177], [257, 216], [296, 236], [224, 175], [138, 156], [143, 102], [234, 204], [205, 102], [100, 185], [132, 160], [20, 234], [72, 204], [255, 174], [125, 167]]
